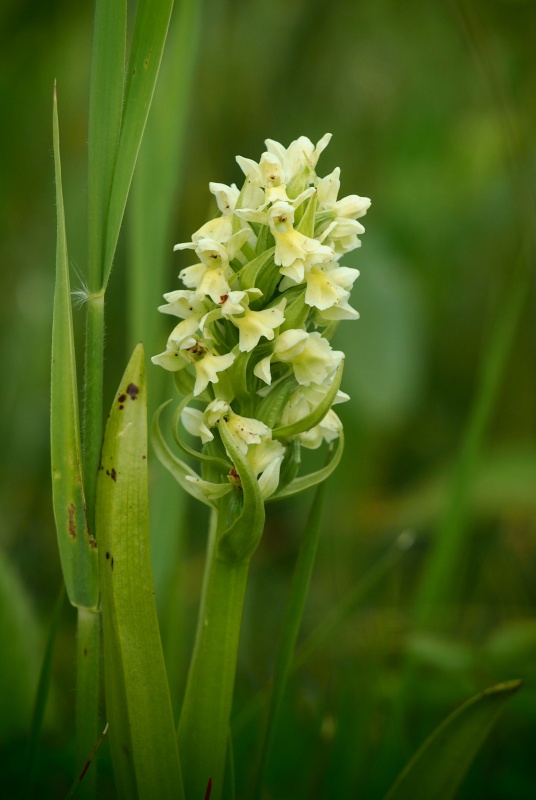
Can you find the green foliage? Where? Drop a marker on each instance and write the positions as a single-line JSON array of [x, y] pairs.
[[77, 545], [431, 139], [142, 730], [439, 767]]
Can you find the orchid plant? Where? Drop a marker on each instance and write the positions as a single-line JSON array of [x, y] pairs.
[[258, 378]]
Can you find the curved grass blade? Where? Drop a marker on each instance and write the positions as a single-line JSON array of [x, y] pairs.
[[439, 766], [137, 693], [78, 550], [150, 30]]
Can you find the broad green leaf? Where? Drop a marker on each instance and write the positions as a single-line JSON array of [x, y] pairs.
[[240, 539], [439, 766], [78, 549], [137, 692], [316, 416], [150, 30], [105, 107]]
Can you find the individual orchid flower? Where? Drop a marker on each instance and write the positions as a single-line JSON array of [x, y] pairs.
[[252, 325], [185, 348], [183, 303], [212, 275], [342, 215], [301, 153], [309, 354]]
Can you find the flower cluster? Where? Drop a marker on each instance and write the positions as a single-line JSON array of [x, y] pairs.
[[252, 347]]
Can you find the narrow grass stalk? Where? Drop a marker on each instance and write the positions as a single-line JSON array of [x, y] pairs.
[[291, 624], [93, 400], [87, 696], [204, 723]]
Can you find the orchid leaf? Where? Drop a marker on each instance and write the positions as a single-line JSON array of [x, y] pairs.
[[308, 481], [307, 222], [317, 414], [142, 728]]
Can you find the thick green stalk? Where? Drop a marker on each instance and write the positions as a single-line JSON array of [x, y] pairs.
[[204, 724], [87, 697], [93, 404]]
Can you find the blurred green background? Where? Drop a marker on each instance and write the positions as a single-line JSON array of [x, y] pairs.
[[431, 106]]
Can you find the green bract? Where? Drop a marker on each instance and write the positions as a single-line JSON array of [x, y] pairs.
[[257, 372]]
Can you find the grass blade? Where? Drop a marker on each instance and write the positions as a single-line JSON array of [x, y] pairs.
[[105, 106], [439, 766], [77, 547], [150, 30], [137, 692]]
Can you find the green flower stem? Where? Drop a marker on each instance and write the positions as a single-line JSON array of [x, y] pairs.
[[87, 696], [93, 403], [204, 723]]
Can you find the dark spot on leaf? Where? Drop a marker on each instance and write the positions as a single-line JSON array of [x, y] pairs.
[[72, 528], [132, 391], [107, 555], [85, 652], [121, 407], [121, 398], [209, 789], [146, 63], [144, 456], [113, 474], [92, 542], [112, 563]]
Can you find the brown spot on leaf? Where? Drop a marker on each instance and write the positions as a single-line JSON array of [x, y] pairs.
[[121, 398], [113, 474], [107, 555], [132, 391], [72, 527], [92, 542], [112, 563], [121, 407]]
